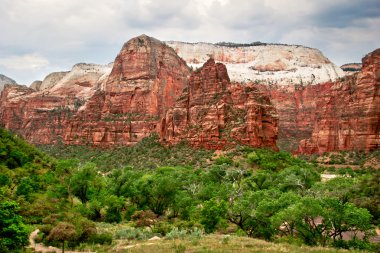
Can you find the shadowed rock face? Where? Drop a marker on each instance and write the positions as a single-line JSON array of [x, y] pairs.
[[212, 113]]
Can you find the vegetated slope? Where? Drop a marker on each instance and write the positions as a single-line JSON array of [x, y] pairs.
[[22, 174], [244, 191]]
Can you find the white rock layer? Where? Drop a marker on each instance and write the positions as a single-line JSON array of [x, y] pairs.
[[269, 64]]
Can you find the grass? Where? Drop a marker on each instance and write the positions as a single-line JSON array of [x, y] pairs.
[[211, 244]]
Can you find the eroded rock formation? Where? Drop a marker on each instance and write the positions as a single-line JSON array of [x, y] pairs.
[[5, 80], [347, 112], [146, 79], [149, 89], [212, 113]]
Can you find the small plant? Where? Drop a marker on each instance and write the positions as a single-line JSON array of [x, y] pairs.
[[196, 233], [225, 239], [180, 248], [176, 234], [133, 234]]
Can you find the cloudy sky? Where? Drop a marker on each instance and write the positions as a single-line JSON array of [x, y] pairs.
[[42, 36]]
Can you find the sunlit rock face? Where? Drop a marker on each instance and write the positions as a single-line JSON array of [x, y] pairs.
[[42, 112], [146, 78], [348, 112]]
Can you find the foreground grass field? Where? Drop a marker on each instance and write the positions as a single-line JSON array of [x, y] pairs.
[[209, 244]]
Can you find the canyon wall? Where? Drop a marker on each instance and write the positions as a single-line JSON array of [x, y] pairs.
[[148, 82], [150, 89]]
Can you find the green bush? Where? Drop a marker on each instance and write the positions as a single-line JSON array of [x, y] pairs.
[[162, 228], [176, 234], [223, 160], [134, 234], [103, 238]]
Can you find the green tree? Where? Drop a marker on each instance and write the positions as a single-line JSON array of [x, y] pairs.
[[84, 182], [252, 211], [158, 190], [13, 233], [213, 214], [115, 205]]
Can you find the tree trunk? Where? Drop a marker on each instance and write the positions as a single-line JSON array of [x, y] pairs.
[[63, 246]]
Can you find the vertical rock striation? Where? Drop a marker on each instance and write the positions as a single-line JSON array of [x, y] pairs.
[[347, 112], [212, 113]]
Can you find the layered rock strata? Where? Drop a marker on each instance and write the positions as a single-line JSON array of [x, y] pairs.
[[347, 112], [212, 113], [146, 78]]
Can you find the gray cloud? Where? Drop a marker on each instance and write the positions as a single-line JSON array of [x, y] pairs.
[[40, 36], [342, 14]]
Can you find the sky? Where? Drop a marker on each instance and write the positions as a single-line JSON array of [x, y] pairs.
[[41, 36]]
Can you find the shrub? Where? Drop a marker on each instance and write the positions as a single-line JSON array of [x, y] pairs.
[[103, 238], [176, 234], [162, 228], [134, 234], [223, 160], [144, 218]]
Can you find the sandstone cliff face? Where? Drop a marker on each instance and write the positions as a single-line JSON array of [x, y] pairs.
[[266, 64], [146, 79], [331, 116], [149, 89], [347, 114], [42, 115], [212, 113]]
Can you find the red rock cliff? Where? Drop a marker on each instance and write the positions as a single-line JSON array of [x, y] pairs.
[[146, 79], [347, 114], [212, 113], [332, 116]]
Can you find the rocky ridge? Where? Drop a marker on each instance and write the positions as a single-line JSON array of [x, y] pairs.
[[351, 68], [5, 80]]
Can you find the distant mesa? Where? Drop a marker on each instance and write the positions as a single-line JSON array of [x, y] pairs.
[[350, 68]]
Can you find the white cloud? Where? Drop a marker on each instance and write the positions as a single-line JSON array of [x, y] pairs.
[[24, 62], [71, 31]]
